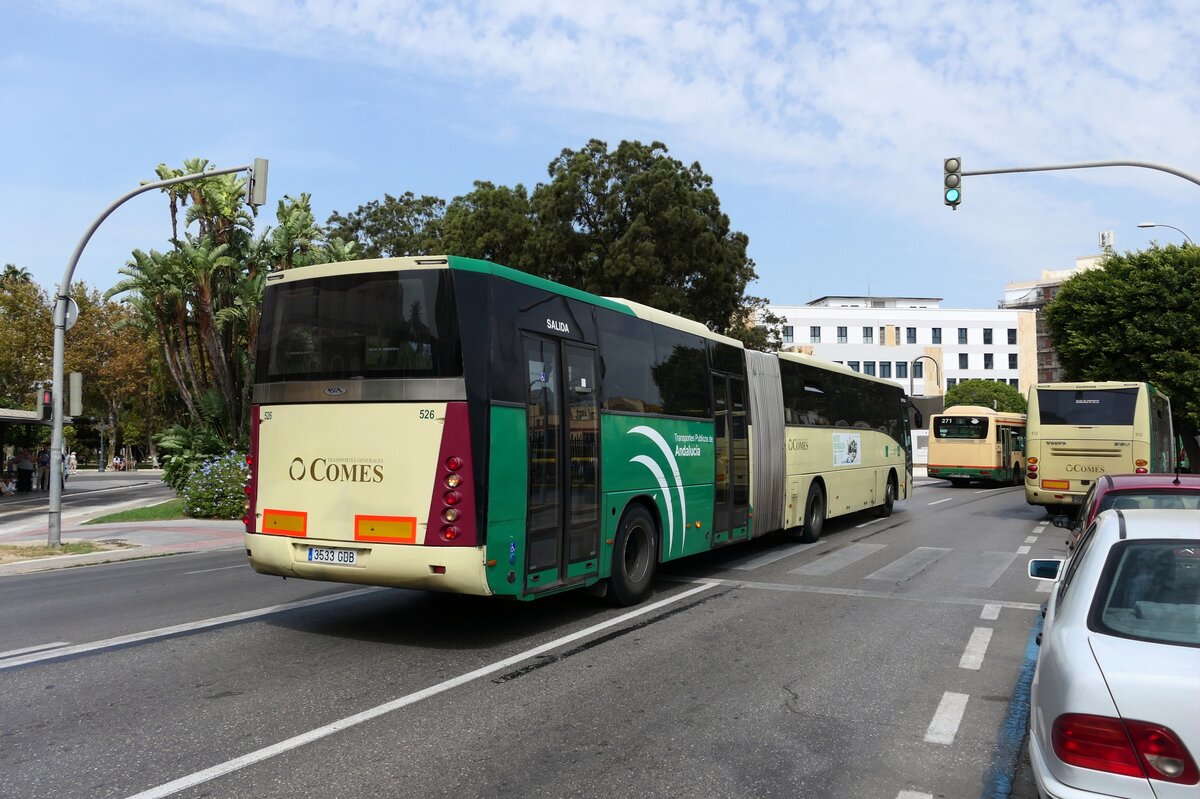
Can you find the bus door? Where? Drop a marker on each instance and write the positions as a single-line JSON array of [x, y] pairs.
[[731, 482], [563, 428]]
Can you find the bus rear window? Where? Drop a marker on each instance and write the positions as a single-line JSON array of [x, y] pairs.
[[1087, 408], [972, 427], [366, 325]]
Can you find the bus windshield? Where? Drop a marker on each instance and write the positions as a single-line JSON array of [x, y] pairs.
[[972, 427], [1087, 408], [368, 325]]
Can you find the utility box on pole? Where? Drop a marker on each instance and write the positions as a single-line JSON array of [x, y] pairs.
[[75, 394]]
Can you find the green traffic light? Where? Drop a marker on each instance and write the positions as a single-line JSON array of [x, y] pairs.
[[952, 195]]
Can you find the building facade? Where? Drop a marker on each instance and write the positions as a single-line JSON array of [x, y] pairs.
[[915, 342], [1033, 295]]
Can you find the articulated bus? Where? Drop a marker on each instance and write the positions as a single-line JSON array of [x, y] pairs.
[[1078, 431], [454, 425], [971, 442]]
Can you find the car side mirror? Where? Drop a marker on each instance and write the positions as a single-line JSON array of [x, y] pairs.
[[1064, 521], [1045, 569]]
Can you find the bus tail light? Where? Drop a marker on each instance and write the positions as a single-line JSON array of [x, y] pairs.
[[452, 519], [251, 488], [1141, 465]]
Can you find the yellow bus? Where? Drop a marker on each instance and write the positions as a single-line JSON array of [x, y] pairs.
[[971, 442], [1079, 431]]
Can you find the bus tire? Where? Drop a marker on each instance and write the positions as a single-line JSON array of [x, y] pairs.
[[634, 557], [814, 514], [889, 499]]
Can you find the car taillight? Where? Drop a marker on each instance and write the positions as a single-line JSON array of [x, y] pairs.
[[1130, 748], [452, 510]]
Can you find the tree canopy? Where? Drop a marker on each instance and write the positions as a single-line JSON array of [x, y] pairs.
[[987, 393], [1137, 318]]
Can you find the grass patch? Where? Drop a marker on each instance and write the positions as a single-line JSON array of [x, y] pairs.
[[154, 513], [11, 553]]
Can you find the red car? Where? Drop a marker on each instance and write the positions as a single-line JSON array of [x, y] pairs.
[[1125, 491]]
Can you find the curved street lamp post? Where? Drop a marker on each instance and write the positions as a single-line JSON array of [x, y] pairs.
[[256, 195], [1172, 227]]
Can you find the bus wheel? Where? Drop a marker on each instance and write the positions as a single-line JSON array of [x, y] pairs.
[[633, 558], [814, 514], [889, 499]]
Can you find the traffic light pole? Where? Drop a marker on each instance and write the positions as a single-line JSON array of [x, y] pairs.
[[256, 194], [1089, 165]]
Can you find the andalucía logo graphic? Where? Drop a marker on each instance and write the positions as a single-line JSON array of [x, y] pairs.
[[656, 470]]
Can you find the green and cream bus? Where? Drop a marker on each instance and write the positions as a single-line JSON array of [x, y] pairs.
[[971, 442], [1076, 432], [451, 424]]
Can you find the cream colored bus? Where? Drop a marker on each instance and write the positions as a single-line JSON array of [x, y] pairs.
[[1079, 431], [971, 442]]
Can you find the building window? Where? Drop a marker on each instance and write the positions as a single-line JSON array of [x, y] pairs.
[[869, 368], [788, 334], [814, 334], [937, 335], [853, 365], [1014, 383], [919, 370], [962, 335], [987, 335], [1012, 360], [885, 368], [951, 383], [911, 335], [901, 368], [1012, 335], [987, 360], [962, 361], [882, 335], [841, 335]]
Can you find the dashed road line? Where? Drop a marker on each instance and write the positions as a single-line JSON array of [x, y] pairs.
[[1023, 550], [756, 561], [972, 657], [1031, 539], [940, 501], [945, 722], [990, 612]]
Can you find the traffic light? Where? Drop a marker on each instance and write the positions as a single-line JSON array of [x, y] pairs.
[[952, 185], [47, 396]]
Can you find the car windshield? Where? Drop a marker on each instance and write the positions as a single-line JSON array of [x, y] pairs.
[[1158, 498], [1152, 592]]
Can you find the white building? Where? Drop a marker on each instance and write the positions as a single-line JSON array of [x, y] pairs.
[[915, 342]]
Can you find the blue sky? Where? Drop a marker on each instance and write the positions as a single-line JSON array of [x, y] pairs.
[[823, 123]]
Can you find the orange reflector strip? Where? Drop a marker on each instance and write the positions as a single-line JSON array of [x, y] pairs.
[[386, 529], [285, 522], [1061, 485]]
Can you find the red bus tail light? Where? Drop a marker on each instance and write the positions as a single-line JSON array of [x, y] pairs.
[[251, 489], [452, 520], [1131, 748]]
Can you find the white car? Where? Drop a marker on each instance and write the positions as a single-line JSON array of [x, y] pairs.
[[1115, 701]]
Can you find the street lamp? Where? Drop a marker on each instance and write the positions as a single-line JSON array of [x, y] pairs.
[[1156, 224], [256, 195]]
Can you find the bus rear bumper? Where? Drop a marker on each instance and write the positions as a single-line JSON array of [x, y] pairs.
[[458, 570]]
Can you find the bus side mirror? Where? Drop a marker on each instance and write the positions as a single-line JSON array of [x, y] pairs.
[[918, 420]]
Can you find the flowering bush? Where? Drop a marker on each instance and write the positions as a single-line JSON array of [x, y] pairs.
[[217, 489]]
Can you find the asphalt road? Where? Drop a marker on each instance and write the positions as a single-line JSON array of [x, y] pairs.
[[879, 662]]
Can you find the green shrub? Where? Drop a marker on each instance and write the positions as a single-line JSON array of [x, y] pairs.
[[217, 489]]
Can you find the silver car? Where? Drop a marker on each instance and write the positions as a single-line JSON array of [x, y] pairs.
[[1115, 701]]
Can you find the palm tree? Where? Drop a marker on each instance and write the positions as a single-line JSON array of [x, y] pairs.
[[14, 273]]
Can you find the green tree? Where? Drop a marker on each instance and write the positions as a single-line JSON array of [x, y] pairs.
[[12, 272], [988, 394], [26, 347], [638, 224], [1137, 317], [494, 223], [397, 226]]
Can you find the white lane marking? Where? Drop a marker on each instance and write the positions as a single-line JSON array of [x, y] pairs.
[[792, 588], [294, 742], [990, 612], [983, 491], [1031, 539], [909, 565], [940, 501], [972, 657], [12, 653], [864, 524], [755, 561], [1045, 587], [913, 795], [945, 722], [1041, 528], [220, 568], [838, 559], [162, 632], [1022, 550]]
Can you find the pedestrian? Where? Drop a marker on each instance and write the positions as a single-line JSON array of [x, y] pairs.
[[8, 486], [43, 468], [72, 463], [25, 470]]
